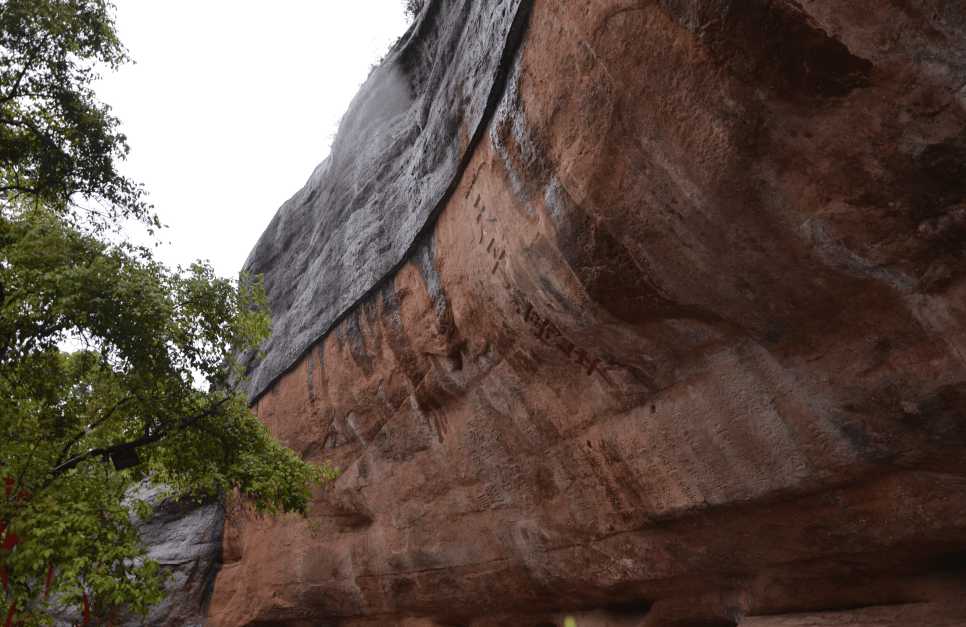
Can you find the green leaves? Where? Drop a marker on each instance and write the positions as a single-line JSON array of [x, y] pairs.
[[145, 333], [144, 336], [58, 143], [152, 350], [81, 537]]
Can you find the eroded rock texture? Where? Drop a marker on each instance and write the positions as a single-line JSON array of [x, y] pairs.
[[681, 341]]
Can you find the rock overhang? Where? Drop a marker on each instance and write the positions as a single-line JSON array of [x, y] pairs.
[[684, 334]]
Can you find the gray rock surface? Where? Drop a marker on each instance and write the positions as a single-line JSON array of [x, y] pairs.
[[185, 538], [400, 148]]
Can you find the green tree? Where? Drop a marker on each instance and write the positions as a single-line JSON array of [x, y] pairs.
[[151, 392], [58, 143]]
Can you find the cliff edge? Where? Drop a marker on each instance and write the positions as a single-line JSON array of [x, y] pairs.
[[650, 313]]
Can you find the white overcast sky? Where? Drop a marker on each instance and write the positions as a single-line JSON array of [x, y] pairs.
[[231, 105]]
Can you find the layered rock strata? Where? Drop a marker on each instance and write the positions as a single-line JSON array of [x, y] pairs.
[[647, 313]]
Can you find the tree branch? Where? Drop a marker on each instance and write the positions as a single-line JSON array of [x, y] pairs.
[[143, 441], [90, 428]]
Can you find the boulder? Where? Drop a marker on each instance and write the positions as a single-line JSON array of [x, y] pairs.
[[646, 313]]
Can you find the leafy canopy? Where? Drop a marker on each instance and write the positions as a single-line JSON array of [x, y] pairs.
[[58, 143], [147, 395]]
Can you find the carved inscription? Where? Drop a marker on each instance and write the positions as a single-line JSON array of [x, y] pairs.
[[781, 381], [602, 472], [560, 477], [774, 429], [769, 436], [494, 495], [545, 329], [632, 449], [548, 333], [736, 416], [669, 496], [489, 453], [722, 437], [684, 488], [697, 478], [655, 472], [700, 453]]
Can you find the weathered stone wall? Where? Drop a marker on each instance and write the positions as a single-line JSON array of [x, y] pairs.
[[682, 343]]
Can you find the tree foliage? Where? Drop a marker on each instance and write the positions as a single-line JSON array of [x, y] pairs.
[[58, 143], [146, 394]]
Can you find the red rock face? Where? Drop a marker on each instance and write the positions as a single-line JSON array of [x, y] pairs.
[[684, 347]]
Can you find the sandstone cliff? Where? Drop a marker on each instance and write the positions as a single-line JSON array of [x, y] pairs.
[[650, 313]]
